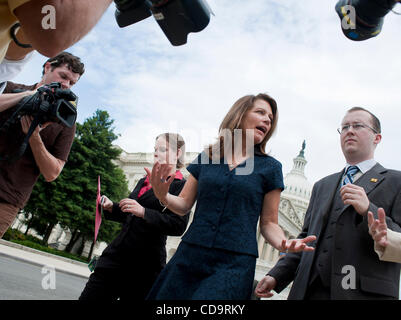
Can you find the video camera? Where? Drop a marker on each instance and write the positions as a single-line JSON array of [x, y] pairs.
[[363, 19], [176, 18], [49, 104]]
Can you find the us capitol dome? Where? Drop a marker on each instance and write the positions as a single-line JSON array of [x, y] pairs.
[[297, 187]]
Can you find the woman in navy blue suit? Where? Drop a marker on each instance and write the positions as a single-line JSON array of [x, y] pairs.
[[130, 264], [234, 183]]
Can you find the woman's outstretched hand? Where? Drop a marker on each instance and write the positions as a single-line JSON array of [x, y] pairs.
[[160, 179]]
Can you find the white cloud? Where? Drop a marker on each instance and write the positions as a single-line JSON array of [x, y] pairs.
[[293, 50]]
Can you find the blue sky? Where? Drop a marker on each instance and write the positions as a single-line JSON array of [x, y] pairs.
[[293, 50]]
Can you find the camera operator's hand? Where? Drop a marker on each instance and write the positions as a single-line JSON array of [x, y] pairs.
[[8, 100], [49, 166], [26, 122]]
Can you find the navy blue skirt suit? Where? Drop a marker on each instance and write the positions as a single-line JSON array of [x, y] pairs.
[[216, 258]]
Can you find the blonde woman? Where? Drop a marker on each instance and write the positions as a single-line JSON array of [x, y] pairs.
[[128, 267]]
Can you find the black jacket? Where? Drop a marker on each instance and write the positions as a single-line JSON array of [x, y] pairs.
[[141, 244]]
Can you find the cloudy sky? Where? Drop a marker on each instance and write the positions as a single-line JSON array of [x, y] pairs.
[[293, 50]]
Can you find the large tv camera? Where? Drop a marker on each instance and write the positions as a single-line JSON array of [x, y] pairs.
[[49, 104], [363, 19], [176, 18]]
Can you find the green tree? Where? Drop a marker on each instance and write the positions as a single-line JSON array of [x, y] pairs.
[[42, 208], [91, 156]]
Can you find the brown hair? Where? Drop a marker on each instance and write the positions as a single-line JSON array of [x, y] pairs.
[[233, 120], [175, 142], [375, 121], [73, 63]]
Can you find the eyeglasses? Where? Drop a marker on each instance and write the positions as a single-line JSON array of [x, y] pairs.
[[356, 126]]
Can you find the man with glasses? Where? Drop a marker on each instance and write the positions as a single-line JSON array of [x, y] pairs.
[[344, 264]]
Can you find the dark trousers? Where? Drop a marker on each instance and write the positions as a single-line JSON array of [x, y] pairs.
[[317, 291], [113, 284]]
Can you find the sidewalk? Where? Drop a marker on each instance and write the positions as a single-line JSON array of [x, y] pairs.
[[41, 258]]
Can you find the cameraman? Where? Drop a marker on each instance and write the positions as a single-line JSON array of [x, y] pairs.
[[49, 144], [73, 19]]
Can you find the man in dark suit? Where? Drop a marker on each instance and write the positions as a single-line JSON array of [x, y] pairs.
[[344, 264]]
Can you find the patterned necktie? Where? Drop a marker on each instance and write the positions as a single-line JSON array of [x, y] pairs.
[[349, 174]]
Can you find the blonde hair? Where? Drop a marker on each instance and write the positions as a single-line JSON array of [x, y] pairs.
[[233, 120], [175, 142]]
